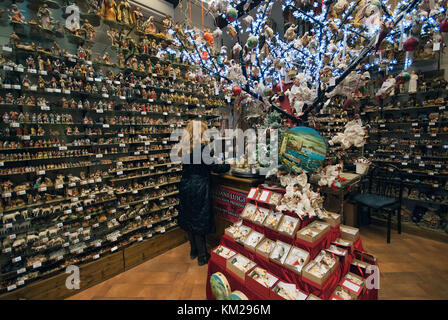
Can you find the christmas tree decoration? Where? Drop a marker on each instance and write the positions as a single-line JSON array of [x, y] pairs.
[[410, 44], [252, 42], [232, 14]]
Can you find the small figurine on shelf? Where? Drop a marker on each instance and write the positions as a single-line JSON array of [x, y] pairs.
[[167, 24], [41, 83], [40, 63], [149, 26], [15, 15], [89, 30], [106, 58], [121, 60], [413, 83], [13, 38], [138, 17], [45, 17], [108, 10], [26, 82], [30, 63], [124, 12]]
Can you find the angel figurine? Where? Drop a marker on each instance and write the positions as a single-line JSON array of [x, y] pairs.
[[15, 15], [45, 17], [108, 10]]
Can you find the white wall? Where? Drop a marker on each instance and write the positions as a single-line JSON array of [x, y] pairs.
[[158, 5]]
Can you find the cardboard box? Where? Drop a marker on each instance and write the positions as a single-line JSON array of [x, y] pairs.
[[317, 265], [253, 239], [265, 247], [233, 229], [349, 233], [322, 227], [309, 234], [326, 255], [288, 226], [350, 214], [280, 252], [221, 254], [364, 256], [287, 291], [243, 232], [275, 198], [272, 220], [345, 244], [261, 281], [248, 211], [341, 252], [240, 265], [352, 287], [359, 267], [260, 215], [292, 260], [355, 279], [333, 219], [342, 293]]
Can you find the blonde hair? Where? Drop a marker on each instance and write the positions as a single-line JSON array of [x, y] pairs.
[[193, 134]]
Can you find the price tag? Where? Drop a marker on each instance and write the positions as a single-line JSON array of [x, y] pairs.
[[91, 181], [140, 239], [89, 79], [62, 148], [87, 238], [41, 172], [80, 251], [20, 282], [119, 173], [79, 209], [17, 259], [151, 100], [114, 249], [98, 244], [6, 250], [392, 146], [7, 49], [117, 82], [382, 125], [21, 270], [137, 153], [75, 241], [98, 180], [43, 189], [99, 155], [2, 164], [57, 90], [26, 137], [438, 166], [67, 92], [417, 135], [112, 212], [144, 113], [59, 225], [431, 173], [169, 102], [16, 87], [421, 164], [412, 146], [98, 80], [120, 135], [435, 185], [59, 258], [37, 265], [436, 46], [122, 98], [445, 146], [162, 230], [404, 163], [149, 226], [432, 123], [442, 108], [96, 225], [7, 195], [106, 125], [72, 60], [14, 125], [415, 124], [99, 111], [75, 199], [11, 287], [95, 257], [147, 143], [7, 86], [20, 69], [418, 158], [73, 184], [69, 211], [164, 142], [32, 71], [65, 245], [429, 146], [43, 72], [143, 86], [134, 191]]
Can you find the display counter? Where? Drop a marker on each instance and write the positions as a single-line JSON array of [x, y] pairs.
[[229, 198]]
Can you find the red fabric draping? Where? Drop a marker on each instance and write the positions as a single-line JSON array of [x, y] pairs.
[[324, 291]]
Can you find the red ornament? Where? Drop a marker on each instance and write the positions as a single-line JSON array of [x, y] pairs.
[[410, 44], [444, 26], [204, 55], [236, 90]]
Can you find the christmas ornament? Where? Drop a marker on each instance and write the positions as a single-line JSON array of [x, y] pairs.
[[208, 36], [252, 42], [410, 44], [237, 90], [232, 14]]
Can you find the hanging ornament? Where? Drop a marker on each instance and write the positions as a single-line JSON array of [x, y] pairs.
[[267, 92], [231, 30], [405, 76], [208, 36], [232, 14], [444, 26], [204, 55], [410, 44], [237, 90], [248, 20], [279, 87], [252, 42], [217, 33], [236, 49]]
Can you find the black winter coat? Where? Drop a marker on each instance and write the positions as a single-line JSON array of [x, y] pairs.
[[195, 195]]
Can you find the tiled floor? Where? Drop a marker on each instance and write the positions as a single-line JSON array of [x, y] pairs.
[[411, 268]]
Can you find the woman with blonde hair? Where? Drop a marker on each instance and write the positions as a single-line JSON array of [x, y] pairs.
[[195, 208]]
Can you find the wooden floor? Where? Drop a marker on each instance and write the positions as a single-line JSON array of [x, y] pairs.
[[411, 268]]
